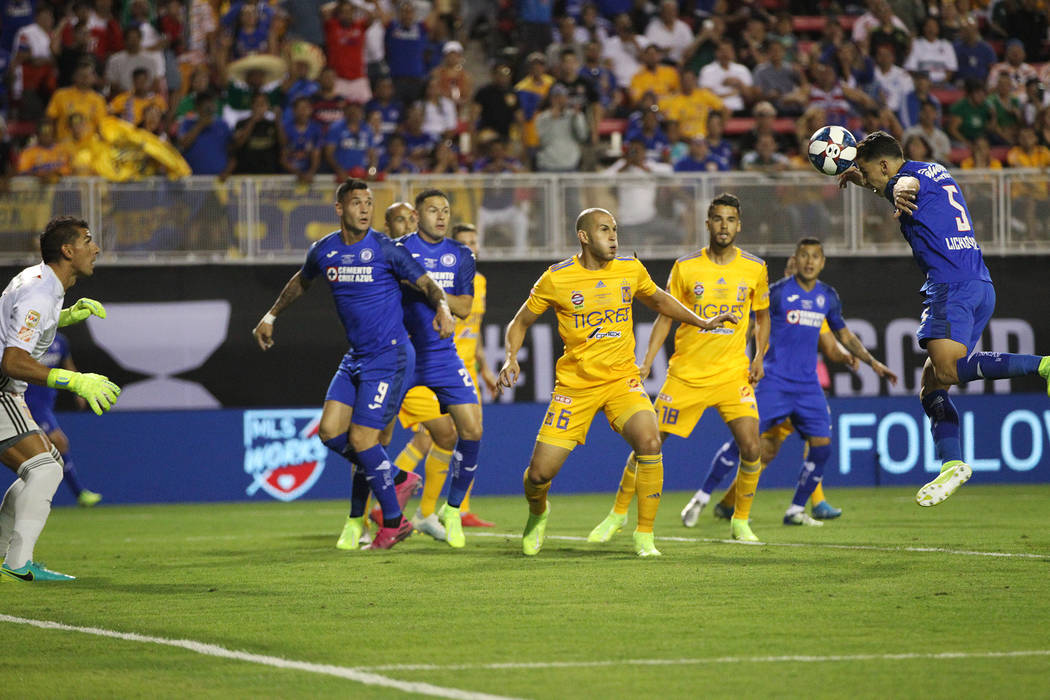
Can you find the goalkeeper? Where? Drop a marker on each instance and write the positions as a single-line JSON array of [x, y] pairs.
[[30, 315]]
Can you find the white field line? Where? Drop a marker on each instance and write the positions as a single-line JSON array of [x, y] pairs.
[[715, 660], [352, 674], [823, 545]]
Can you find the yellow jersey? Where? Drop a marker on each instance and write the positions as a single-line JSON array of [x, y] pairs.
[[690, 111], [707, 288], [662, 80], [468, 330], [594, 317], [132, 109], [68, 101]]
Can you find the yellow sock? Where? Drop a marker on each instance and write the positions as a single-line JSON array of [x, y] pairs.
[[535, 494], [464, 507], [436, 469], [625, 494], [409, 458], [818, 494], [746, 485], [729, 500], [649, 480]]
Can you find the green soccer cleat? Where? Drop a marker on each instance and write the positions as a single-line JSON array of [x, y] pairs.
[[741, 531], [33, 571], [351, 535], [1044, 372], [604, 531], [535, 528], [452, 521], [953, 475], [644, 545], [86, 499]]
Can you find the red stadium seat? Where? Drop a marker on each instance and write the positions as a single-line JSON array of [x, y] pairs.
[[947, 96], [741, 125], [608, 126]]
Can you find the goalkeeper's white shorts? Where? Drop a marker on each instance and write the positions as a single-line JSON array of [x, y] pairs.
[[16, 422]]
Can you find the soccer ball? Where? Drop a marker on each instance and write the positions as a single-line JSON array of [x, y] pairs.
[[832, 150]]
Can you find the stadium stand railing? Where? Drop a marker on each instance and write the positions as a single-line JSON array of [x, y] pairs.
[[275, 219]]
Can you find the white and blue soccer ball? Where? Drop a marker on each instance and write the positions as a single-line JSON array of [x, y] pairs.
[[832, 150]]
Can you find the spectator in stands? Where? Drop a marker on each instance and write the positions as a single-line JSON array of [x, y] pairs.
[[927, 128], [832, 36], [122, 64], [765, 158], [910, 12], [305, 20], [831, 95], [973, 55], [679, 147], [453, 79], [623, 50], [395, 161], [933, 54], [440, 117], [345, 45], [350, 145], [752, 45], [873, 19], [500, 218], [890, 32], [419, 143], [597, 28], [916, 147], [1024, 21], [567, 37], [669, 32], [775, 78], [893, 82], [306, 64], [204, 139], [972, 116], [717, 144], [249, 76], [765, 115], [601, 79], [1028, 153], [72, 53], [266, 10], [200, 82], [153, 122], [33, 71], [445, 160], [640, 215], [691, 106], [914, 100], [654, 76], [79, 98], [532, 92], [258, 140], [851, 66], [783, 32], [140, 14], [14, 14], [1031, 195], [534, 24], [131, 106], [1015, 67], [730, 80], [45, 160], [200, 38], [878, 119], [561, 128], [649, 133], [1008, 109], [327, 103], [384, 102], [981, 156], [1035, 104], [496, 108], [249, 35], [406, 39], [700, 159], [582, 94]]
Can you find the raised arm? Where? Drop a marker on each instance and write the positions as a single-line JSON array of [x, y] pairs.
[[853, 344], [444, 324], [263, 331], [515, 336]]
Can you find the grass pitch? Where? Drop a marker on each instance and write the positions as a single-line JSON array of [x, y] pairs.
[[891, 600]]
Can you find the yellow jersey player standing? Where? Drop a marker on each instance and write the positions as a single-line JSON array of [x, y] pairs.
[[592, 293], [710, 367]]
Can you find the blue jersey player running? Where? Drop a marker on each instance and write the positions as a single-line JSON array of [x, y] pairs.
[[364, 270], [41, 403], [958, 290]]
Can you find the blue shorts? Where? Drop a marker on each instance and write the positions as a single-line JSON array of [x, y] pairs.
[[956, 310], [44, 417], [374, 385], [804, 404], [443, 372]]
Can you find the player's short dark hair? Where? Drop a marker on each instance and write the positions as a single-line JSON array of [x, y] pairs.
[[60, 231], [809, 240], [879, 144], [348, 186], [463, 228], [427, 194], [724, 200]]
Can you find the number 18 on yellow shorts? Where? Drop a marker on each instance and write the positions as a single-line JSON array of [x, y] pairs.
[[571, 411], [680, 405]]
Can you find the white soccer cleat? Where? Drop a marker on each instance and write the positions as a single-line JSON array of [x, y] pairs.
[[801, 518], [691, 512], [429, 525]]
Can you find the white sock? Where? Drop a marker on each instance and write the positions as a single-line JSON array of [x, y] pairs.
[[701, 497], [795, 510], [41, 475], [7, 514]]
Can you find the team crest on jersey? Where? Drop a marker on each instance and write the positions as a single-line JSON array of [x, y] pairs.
[[367, 255], [820, 300], [698, 289], [448, 259], [282, 453], [577, 299], [625, 292], [32, 319], [741, 292]]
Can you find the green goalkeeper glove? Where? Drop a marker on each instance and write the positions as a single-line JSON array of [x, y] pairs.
[[99, 392], [80, 311]]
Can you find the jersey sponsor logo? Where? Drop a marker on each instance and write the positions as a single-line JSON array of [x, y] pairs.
[[576, 298], [698, 289], [561, 399], [798, 317], [367, 255], [32, 319], [25, 334], [349, 273], [445, 280], [283, 454], [934, 171], [793, 297], [597, 318], [598, 334], [721, 280], [599, 285], [961, 243], [448, 259]]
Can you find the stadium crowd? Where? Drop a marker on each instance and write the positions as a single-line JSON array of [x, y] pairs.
[[368, 88]]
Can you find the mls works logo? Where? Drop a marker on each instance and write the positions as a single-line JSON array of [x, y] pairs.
[[282, 453]]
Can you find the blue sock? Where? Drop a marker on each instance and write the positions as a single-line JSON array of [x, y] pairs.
[[463, 466], [944, 424], [725, 460], [69, 475], [379, 472], [358, 493], [811, 474], [996, 365], [339, 444]]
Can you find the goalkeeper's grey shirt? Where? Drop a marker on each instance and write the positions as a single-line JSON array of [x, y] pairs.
[[29, 309]]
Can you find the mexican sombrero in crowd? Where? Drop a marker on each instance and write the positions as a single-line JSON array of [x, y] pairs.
[[274, 68], [310, 54]]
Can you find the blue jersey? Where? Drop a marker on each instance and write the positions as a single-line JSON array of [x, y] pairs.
[[365, 279], [54, 356], [351, 144], [796, 316], [302, 141], [451, 265], [940, 232]]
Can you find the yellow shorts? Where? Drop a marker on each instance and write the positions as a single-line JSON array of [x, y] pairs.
[[421, 405], [571, 411], [781, 431], [680, 405]]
